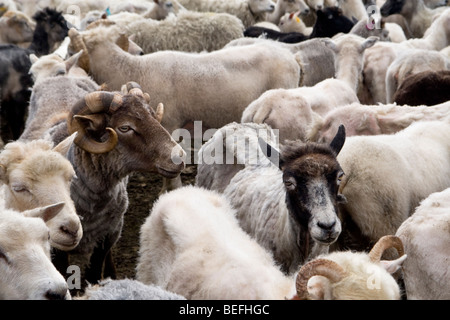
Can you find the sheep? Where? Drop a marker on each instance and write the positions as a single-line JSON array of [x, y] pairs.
[[126, 289], [426, 238], [424, 88], [276, 107], [26, 271], [361, 119], [189, 31], [353, 9], [360, 29], [378, 58], [290, 22], [117, 134], [34, 175], [53, 65], [411, 62], [285, 7], [418, 16], [16, 28], [249, 11], [386, 176], [321, 4], [200, 252], [308, 227]]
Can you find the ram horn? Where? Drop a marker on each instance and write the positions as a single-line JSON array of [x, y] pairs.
[[319, 267], [78, 44], [85, 112], [383, 244]]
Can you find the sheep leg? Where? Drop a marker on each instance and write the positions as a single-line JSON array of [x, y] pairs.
[[101, 254]]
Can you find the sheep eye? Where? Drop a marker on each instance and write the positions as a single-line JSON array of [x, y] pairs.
[[19, 188], [290, 184], [124, 129], [3, 256], [339, 178]]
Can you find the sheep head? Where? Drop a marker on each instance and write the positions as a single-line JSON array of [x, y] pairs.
[[35, 175], [311, 176], [124, 123], [352, 275]]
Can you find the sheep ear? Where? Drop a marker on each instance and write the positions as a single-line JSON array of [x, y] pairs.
[[270, 152], [33, 58], [369, 43], [338, 140], [73, 60], [63, 146], [330, 44], [392, 266], [46, 213]]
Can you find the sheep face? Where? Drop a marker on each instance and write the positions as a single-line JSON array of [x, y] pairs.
[[26, 271], [36, 176], [311, 176], [52, 23], [261, 6], [127, 126], [392, 7]]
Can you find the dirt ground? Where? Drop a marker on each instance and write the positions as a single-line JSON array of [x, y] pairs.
[[143, 190]]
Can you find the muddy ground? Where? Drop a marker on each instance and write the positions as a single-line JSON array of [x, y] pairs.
[[143, 190]]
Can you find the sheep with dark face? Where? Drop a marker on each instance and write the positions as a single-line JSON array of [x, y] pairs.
[[290, 207], [118, 133]]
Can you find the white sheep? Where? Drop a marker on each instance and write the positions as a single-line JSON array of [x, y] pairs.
[[189, 31], [290, 22], [249, 11], [386, 176], [283, 7], [33, 174], [126, 289], [26, 271], [426, 238], [272, 212], [353, 9], [361, 119], [191, 244], [293, 110], [412, 62]]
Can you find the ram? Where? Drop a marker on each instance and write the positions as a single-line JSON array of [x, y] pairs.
[[200, 252], [291, 208], [426, 237], [386, 176]]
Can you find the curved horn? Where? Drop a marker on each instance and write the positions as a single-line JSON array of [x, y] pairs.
[[383, 244], [159, 112], [134, 88], [319, 267], [78, 44], [94, 102]]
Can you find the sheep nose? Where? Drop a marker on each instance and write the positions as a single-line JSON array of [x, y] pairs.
[[319, 7], [56, 295], [70, 230], [327, 226], [306, 11]]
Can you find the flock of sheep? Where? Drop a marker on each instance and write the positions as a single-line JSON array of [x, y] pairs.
[[329, 148]]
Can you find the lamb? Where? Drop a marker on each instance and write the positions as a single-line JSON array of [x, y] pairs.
[[126, 289], [290, 22], [283, 7], [276, 107], [434, 84], [411, 62], [25, 266], [309, 226], [361, 119], [35, 175], [379, 197], [106, 149], [16, 28], [418, 16], [249, 11], [426, 238], [200, 252]]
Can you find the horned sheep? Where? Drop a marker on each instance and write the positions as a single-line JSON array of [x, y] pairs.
[[425, 236], [249, 11], [396, 172], [308, 228], [200, 252], [34, 175], [26, 271]]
